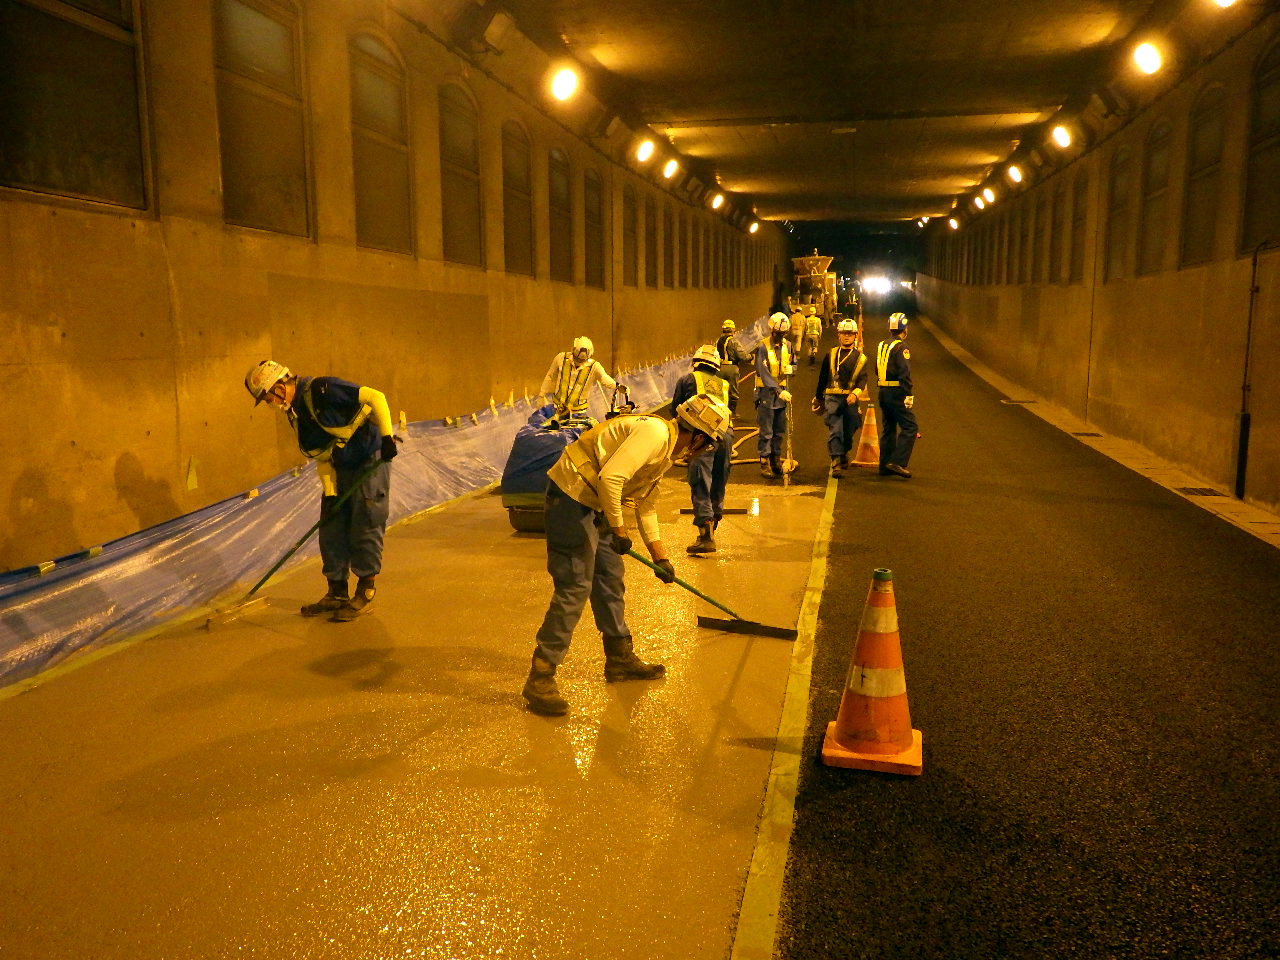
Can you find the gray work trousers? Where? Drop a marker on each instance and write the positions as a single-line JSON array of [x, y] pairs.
[[351, 542], [583, 565]]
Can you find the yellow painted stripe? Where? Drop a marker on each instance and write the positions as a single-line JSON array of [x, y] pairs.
[[877, 681], [880, 619], [758, 916]]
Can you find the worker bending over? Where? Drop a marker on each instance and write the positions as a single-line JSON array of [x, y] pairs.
[[346, 429], [620, 460], [709, 470], [570, 378], [842, 382]]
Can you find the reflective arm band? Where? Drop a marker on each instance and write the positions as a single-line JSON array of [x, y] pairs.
[[377, 400], [328, 475]]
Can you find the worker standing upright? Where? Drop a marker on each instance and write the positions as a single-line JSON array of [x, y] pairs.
[[619, 461], [774, 362], [346, 429], [709, 470], [896, 398], [842, 382], [813, 334], [570, 378]]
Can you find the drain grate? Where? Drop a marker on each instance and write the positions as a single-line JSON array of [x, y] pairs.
[[1086, 434], [1006, 400], [1198, 491]]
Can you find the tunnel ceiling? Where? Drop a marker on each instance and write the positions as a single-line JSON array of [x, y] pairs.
[[842, 110]]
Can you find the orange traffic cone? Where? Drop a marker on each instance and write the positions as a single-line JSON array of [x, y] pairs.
[[868, 454], [872, 730]]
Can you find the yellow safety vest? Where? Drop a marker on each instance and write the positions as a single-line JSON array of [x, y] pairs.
[[583, 457], [835, 389], [883, 352], [571, 392], [713, 385], [777, 361]]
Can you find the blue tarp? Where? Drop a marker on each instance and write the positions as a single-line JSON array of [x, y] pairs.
[[182, 567]]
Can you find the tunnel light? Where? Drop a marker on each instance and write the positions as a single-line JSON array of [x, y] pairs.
[[989, 194], [953, 223], [717, 201], [1225, 3], [644, 151], [670, 169], [877, 285], [1062, 136], [754, 227], [564, 84], [1147, 57], [1015, 173], [979, 203]]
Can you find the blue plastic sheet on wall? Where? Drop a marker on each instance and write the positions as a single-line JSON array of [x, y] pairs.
[[187, 565]]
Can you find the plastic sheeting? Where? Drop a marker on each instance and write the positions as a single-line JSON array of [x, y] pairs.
[[213, 556]]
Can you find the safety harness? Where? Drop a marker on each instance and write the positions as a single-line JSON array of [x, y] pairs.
[[340, 434], [883, 354]]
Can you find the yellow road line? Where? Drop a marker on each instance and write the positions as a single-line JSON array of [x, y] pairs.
[[758, 915]]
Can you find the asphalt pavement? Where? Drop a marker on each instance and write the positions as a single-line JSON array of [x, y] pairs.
[[1092, 662]]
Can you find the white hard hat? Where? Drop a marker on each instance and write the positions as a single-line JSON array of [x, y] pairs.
[[728, 326], [262, 377], [707, 355], [780, 321], [705, 415], [584, 343], [846, 326], [897, 321]]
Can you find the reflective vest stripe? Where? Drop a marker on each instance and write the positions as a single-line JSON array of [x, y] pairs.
[[883, 352], [776, 361], [573, 384], [835, 362]]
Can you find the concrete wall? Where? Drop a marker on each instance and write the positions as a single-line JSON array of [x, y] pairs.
[[1160, 358], [128, 333]]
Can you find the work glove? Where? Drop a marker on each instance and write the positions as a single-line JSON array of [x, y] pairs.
[[622, 544], [784, 396], [815, 406], [328, 507], [908, 402], [389, 450], [666, 571]]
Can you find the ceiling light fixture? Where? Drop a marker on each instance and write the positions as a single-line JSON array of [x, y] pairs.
[[1062, 136], [1147, 57], [979, 203], [717, 201], [754, 227], [644, 151], [564, 83], [953, 223], [670, 169], [1225, 3], [1015, 173], [990, 195]]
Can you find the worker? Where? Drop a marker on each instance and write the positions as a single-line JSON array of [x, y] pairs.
[[709, 471], [346, 429], [731, 352], [842, 383], [812, 334], [774, 362], [570, 377], [898, 419], [796, 330], [620, 460]]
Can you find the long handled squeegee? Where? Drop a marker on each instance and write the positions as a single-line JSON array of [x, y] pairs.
[[736, 625], [241, 605]]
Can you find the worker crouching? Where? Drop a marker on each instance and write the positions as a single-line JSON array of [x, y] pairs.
[[620, 460]]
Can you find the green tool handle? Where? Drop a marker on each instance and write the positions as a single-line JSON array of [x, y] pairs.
[[694, 590], [314, 527]]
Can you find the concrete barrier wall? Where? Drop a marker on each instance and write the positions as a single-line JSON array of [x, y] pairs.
[[128, 333], [1160, 358]]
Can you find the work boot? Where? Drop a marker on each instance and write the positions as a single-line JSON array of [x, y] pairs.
[[358, 604], [621, 663], [837, 468], [899, 470], [705, 543], [541, 690], [331, 601], [844, 460], [775, 464], [767, 469]]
